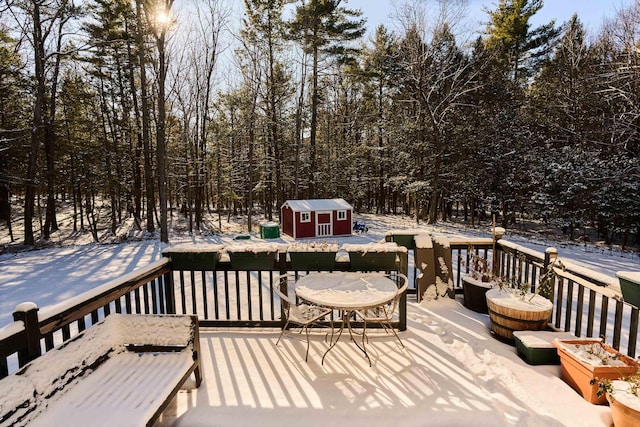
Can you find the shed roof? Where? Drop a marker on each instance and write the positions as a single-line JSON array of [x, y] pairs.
[[317, 204]]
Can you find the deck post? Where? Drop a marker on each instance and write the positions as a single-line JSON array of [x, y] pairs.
[[28, 313], [402, 309], [498, 233]]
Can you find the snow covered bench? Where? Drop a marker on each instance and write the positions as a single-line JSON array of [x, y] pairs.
[[123, 371]]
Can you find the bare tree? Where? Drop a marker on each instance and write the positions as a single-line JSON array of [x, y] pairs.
[[42, 22]]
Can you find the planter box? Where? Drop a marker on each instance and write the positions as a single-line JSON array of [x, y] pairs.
[[253, 261], [313, 261], [630, 286], [194, 258], [373, 256], [578, 372], [509, 313], [536, 347], [373, 261], [475, 294]]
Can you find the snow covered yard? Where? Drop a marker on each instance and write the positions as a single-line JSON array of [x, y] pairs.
[[451, 373]]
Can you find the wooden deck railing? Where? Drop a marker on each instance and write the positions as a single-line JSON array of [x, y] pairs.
[[220, 297], [584, 303]]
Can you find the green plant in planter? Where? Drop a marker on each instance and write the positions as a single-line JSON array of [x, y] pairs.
[[479, 268], [605, 385], [548, 278]]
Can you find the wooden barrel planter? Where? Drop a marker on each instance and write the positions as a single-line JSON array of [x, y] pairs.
[[509, 313], [475, 294]]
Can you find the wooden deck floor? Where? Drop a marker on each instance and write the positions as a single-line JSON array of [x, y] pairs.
[[451, 372]]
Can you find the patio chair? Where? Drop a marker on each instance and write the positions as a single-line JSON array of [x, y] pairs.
[[383, 314], [303, 315]]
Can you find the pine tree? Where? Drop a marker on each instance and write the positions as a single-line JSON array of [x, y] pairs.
[[517, 47], [323, 27]]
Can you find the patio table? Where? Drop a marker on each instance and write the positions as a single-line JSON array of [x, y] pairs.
[[347, 292]]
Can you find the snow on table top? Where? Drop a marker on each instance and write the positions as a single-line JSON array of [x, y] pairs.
[[348, 290]]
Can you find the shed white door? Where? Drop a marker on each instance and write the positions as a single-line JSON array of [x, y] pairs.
[[324, 224]]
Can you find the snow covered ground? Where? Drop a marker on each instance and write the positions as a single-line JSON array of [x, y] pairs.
[[50, 276], [452, 372]]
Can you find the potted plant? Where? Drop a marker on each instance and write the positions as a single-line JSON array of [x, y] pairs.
[[476, 284], [513, 307], [253, 257], [630, 286], [623, 396], [313, 256], [585, 361]]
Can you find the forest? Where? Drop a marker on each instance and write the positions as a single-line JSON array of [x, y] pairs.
[[144, 109]]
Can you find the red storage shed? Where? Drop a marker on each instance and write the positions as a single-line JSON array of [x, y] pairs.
[[316, 218]]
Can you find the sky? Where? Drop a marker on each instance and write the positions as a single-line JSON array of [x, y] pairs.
[[590, 12]]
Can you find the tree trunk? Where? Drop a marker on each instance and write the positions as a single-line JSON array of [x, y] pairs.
[[37, 128], [314, 125], [161, 143], [146, 138]]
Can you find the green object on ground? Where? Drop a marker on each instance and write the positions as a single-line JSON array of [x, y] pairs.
[[269, 231], [535, 346]]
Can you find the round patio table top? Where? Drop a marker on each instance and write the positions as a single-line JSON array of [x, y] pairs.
[[346, 290]]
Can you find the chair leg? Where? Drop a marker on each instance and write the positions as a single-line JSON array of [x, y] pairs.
[[306, 356], [396, 334], [284, 328], [364, 333]]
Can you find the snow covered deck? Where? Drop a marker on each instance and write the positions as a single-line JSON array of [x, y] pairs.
[[452, 372]]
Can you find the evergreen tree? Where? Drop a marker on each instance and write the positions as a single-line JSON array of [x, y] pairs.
[[323, 28], [380, 71], [13, 124], [265, 27], [518, 48]]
